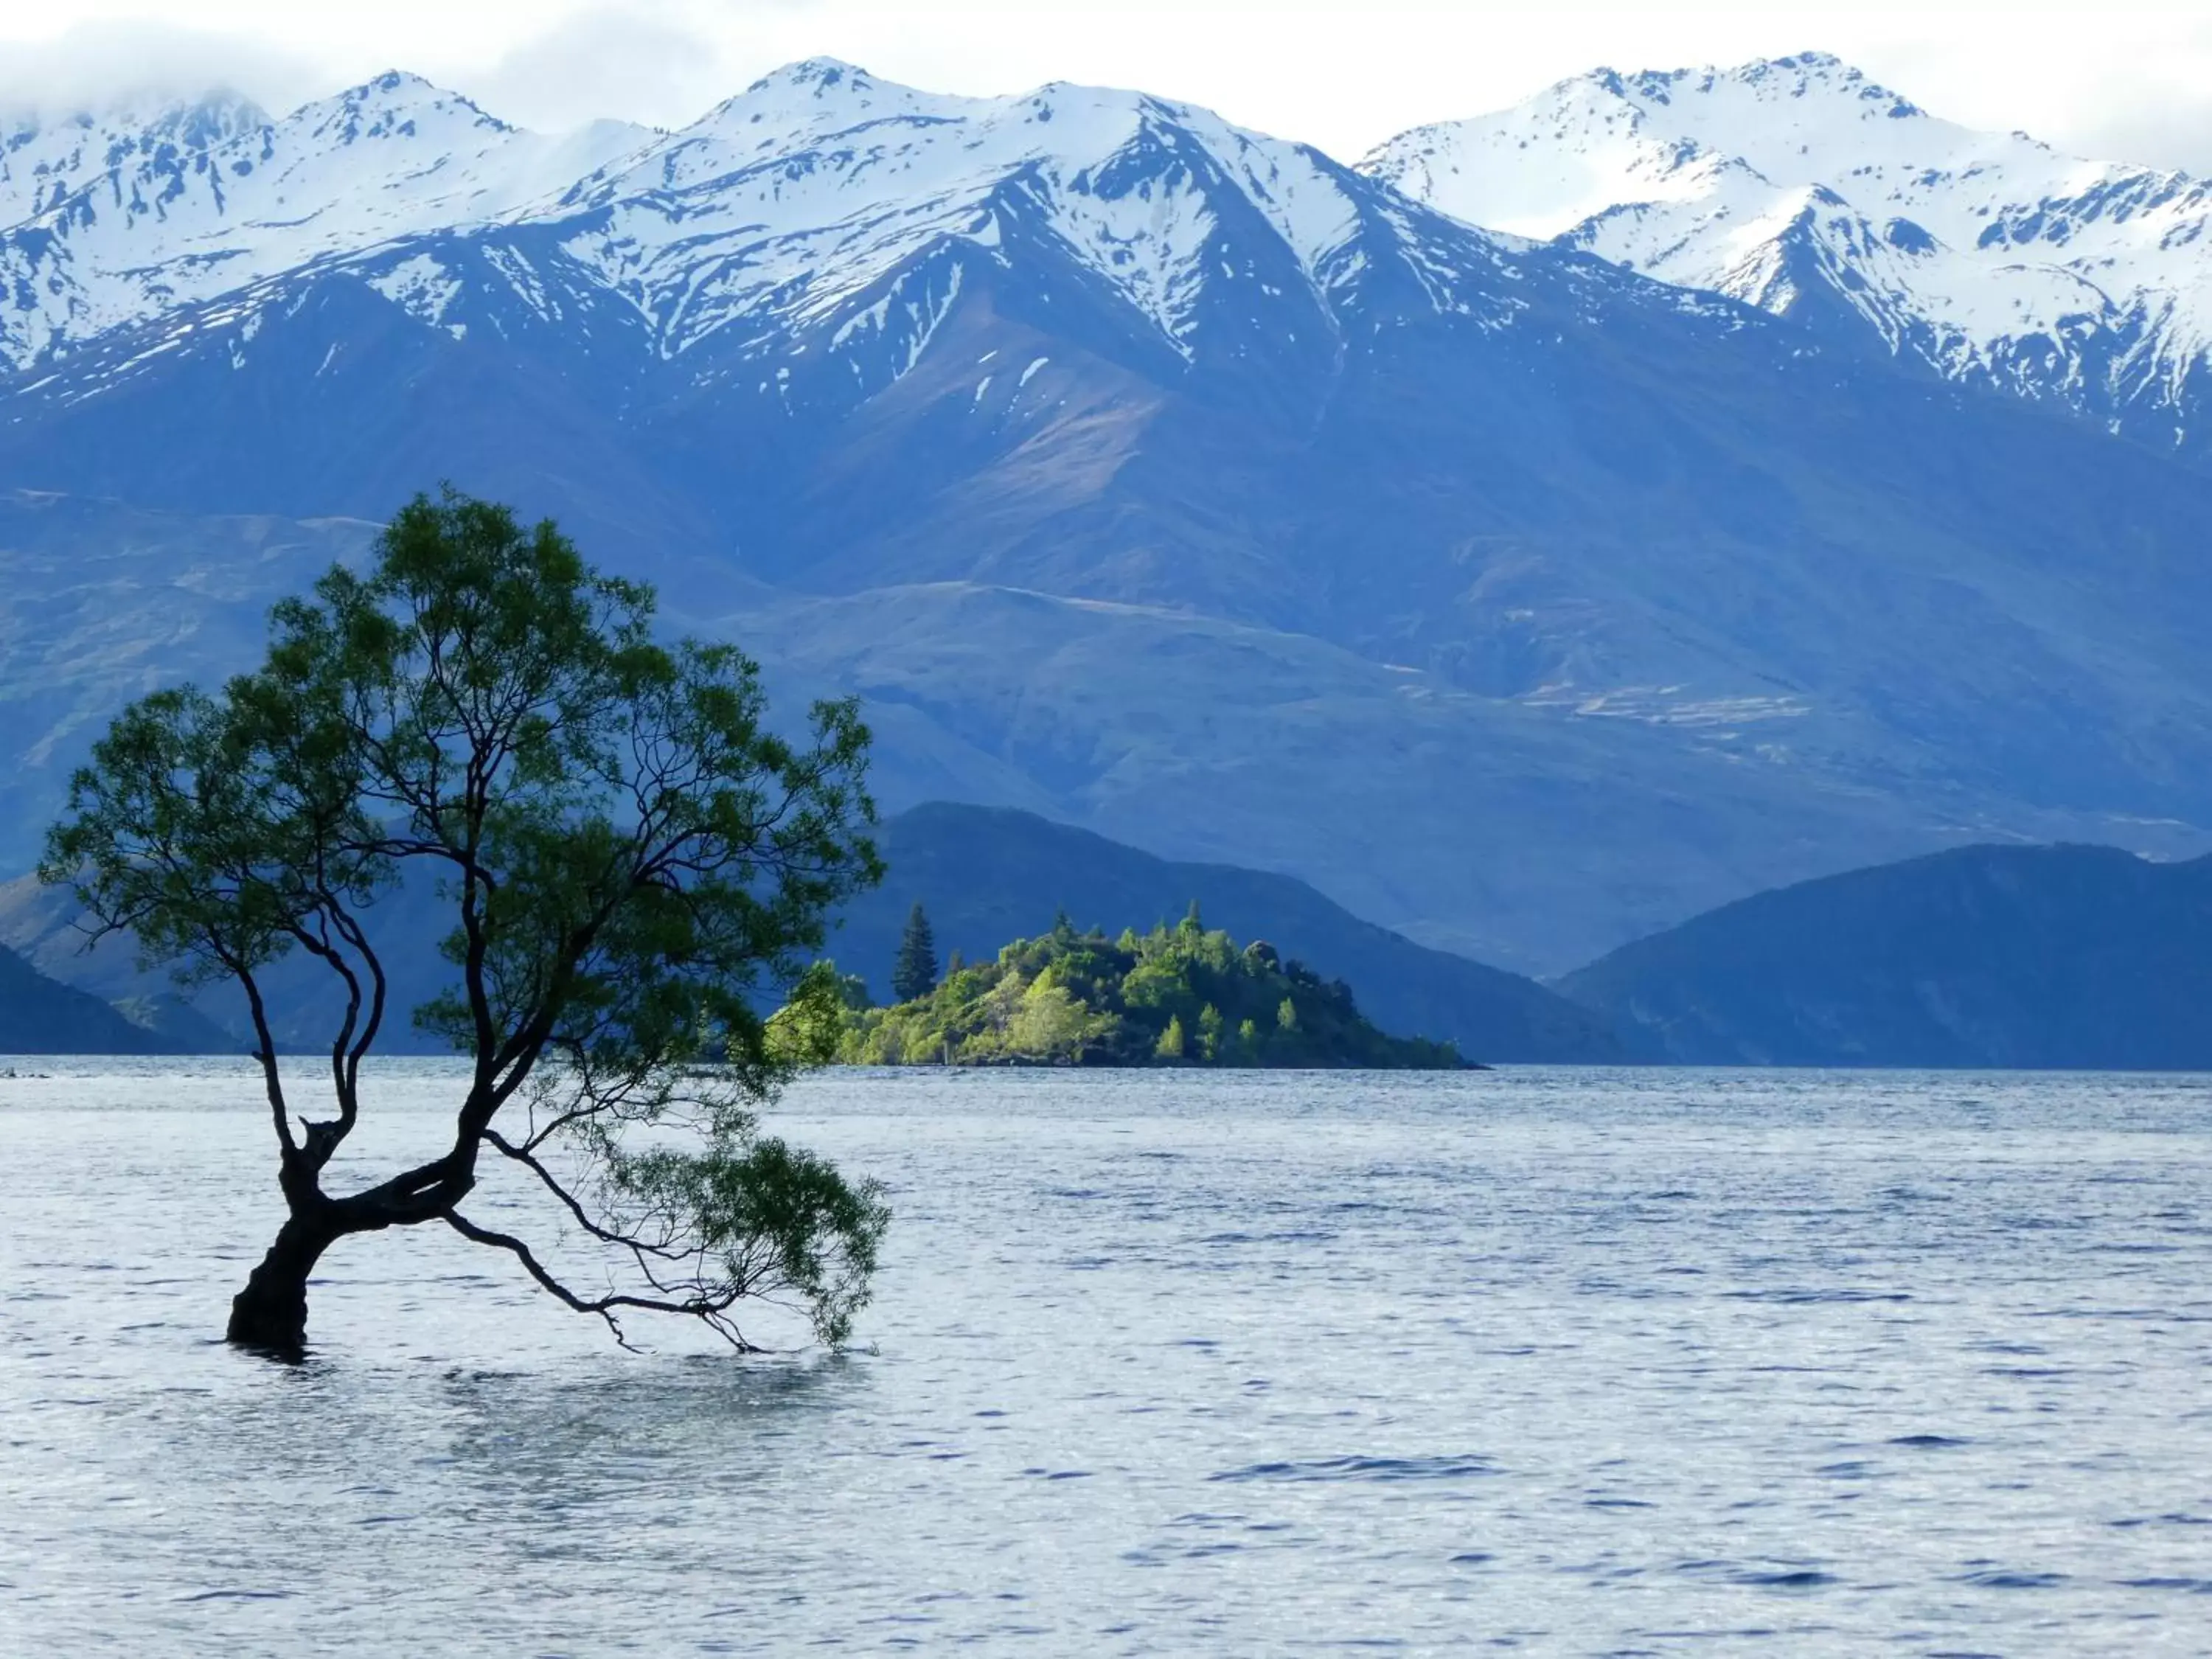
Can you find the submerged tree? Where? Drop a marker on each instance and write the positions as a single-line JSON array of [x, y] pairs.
[[626, 857], [916, 971]]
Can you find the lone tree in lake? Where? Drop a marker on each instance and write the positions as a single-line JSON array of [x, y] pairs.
[[628, 858], [915, 970]]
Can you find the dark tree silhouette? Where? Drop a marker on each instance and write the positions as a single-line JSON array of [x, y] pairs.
[[914, 973], [630, 860]]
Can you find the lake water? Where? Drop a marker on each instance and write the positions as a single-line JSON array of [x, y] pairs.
[[1566, 1362]]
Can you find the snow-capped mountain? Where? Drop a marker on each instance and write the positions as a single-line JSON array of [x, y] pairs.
[[820, 196], [744, 287], [1800, 185], [111, 220], [1162, 475], [810, 188], [43, 162]]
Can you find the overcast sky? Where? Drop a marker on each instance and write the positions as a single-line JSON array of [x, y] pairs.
[[2127, 80]]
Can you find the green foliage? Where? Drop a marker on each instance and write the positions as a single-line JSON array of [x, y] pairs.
[[1170, 1045], [777, 1221], [915, 970], [806, 1030], [629, 857], [1169, 997], [1049, 1024]]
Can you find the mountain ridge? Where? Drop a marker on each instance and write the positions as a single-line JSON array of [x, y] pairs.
[[987, 875], [1986, 257], [1801, 185], [2068, 957], [215, 194], [41, 1015]]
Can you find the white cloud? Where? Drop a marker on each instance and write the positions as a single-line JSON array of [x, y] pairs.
[[105, 61], [2177, 134], [1343, 73], [613, 61]]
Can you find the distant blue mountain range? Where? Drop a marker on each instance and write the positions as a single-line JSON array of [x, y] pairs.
[[2086, 957], [2079, 957]]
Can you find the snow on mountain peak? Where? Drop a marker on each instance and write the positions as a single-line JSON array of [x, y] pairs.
[[800, 102], [204, 122], [1797, 183], [1604, 139], [820, 75], [1794, 181], [793, 200], [396, 105], [819, 181], [105, 223], [45, 159]]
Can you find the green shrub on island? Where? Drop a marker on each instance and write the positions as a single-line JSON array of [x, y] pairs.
[[1179, 996]]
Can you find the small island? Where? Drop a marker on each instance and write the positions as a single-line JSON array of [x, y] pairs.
[[1174, 996]]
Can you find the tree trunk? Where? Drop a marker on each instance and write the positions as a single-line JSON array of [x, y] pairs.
[[271, 1313]]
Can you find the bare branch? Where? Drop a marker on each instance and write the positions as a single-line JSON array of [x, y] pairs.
[[708, 1309], [574, 1205]]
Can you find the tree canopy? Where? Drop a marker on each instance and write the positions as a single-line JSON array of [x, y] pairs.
[[1180, 996], [631, 861]]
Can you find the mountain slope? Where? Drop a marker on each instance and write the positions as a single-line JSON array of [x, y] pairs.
[[41, 1015], [1181, 482], [1801, 186], [988, 875], [2067, 957], [107, 602], [303, 1001]]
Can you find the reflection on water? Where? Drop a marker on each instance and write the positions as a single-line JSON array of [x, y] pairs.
[[1574, 1362]]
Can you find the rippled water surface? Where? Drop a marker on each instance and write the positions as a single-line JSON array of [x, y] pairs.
[[1570, 1362]]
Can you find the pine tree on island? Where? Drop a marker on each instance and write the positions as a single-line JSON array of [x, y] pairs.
[[914, 974]]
